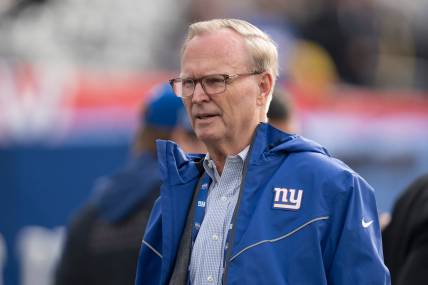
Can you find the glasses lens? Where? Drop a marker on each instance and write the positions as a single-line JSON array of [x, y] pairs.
[[214, 84], [187, 86]]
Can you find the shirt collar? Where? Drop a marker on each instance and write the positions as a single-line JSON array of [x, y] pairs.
[[211, 169]]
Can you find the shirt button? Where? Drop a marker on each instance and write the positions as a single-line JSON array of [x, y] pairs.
[[210, 279], [223, 198], [215, 237]]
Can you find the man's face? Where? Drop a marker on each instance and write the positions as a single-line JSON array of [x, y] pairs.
[[230, 117]]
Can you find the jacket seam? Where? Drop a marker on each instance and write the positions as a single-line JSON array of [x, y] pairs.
[[281, 237], [152, 248]]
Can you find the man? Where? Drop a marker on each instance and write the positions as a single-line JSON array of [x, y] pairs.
[[104, 239], [263, 206]]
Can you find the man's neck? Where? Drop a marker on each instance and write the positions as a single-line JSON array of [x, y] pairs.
[[219, 153]]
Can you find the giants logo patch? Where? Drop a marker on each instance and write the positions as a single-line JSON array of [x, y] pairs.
[[285, 198]]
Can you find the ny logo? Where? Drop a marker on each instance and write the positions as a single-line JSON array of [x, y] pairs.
[[286, 198]]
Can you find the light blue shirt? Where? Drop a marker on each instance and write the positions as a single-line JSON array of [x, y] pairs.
[[206, 263]]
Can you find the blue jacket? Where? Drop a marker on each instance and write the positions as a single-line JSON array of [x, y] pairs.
[[331, 235]]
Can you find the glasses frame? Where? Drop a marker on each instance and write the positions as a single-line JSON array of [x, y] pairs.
[[227, 80]]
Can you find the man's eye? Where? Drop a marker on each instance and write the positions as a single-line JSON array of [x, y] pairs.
[[187, 83], [215, 80]]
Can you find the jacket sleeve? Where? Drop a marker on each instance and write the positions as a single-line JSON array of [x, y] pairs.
[[355, 239], [150, 256]]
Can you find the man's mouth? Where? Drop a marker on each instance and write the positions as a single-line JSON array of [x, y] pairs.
[[205, 116]]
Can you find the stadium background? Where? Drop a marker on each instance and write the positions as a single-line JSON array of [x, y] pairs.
[[74, 73]]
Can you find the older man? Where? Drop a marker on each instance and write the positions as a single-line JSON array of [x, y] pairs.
[[262, 206]]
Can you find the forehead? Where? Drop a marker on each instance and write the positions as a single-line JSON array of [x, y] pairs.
[[216, 52]]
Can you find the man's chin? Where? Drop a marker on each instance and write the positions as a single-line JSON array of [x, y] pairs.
[[207, 136]]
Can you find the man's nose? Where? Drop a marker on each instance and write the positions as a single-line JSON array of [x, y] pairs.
[[199, 94]]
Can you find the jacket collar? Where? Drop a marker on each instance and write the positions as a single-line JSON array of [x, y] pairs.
[[178, 167]]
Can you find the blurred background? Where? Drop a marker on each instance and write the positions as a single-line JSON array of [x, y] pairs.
[[74, 73]]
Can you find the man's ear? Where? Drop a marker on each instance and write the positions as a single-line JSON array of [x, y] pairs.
[[265, 86]]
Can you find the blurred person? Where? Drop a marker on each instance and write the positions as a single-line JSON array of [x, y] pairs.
[[104, 237], [347, 30], [185, 137], [281, 112], [405, 238], [3, 257], [15, 7], [262, 206], [312, 69]]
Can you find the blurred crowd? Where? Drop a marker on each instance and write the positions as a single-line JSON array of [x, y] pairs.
[[374, 43]]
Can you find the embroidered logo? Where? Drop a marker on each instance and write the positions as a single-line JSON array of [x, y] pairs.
[[366, 224], [285, 198]]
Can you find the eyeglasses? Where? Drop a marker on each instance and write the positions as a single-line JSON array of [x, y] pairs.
[[211, 84]]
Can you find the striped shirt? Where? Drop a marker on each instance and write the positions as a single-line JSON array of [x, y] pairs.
[[206, 263]]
